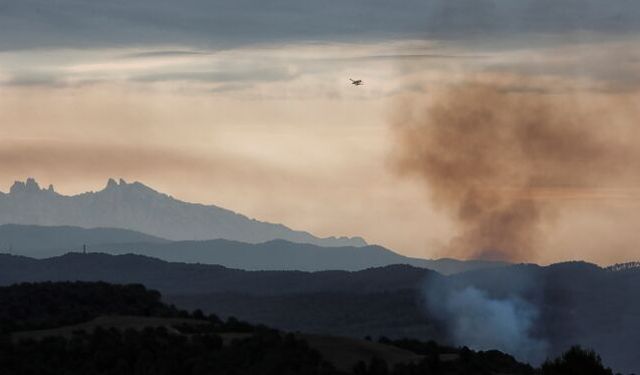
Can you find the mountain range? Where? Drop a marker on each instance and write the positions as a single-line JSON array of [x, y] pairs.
[[133, 218], [137, 207], [44, 242]]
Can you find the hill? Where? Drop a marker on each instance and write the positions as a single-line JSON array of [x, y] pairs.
[[137, 207], [41, 241], [283, 255], [550, 308], [183, 278], [44, 242], [159, 339]]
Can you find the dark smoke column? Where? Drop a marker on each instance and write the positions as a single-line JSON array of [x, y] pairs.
[[491, 159]]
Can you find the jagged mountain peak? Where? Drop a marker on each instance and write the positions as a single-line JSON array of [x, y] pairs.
[[122, 185], [112, 184], [29, 186]]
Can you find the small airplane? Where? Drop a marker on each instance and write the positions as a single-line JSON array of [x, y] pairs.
[[356, 82]]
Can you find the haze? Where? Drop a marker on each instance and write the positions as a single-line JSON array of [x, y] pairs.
[[253, 111]]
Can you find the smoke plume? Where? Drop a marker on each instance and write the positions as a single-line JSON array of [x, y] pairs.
[[483, 323], [500, 161]]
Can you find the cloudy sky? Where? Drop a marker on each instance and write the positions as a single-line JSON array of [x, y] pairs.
[[247, 104]]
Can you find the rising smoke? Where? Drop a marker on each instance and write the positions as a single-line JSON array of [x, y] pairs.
[[499, 161], [474, 319]]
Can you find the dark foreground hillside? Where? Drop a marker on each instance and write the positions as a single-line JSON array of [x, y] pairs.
[[554, 307], [71, 328]]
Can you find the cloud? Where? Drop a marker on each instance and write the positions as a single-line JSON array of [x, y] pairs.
[[292, 68], [227, 23], [50, 68], [32, 79], [609, 66], [206, 71], [162, 53], [238, 74]]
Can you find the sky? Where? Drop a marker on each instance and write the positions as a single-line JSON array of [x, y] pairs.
[[247, 104]]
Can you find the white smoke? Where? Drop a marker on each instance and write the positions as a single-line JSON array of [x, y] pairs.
[[476, 320]]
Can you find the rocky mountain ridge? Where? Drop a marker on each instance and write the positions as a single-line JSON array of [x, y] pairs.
[[137, 207]]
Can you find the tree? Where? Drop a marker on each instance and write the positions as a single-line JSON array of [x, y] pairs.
[[576, 361]]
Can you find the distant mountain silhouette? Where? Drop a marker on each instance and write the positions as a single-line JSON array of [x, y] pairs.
[[281, 255], [137, 207], [44, 242], [577, 302]]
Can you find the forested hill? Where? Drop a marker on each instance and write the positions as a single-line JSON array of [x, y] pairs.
[[154, 338], [184, 278], [567, 303]]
